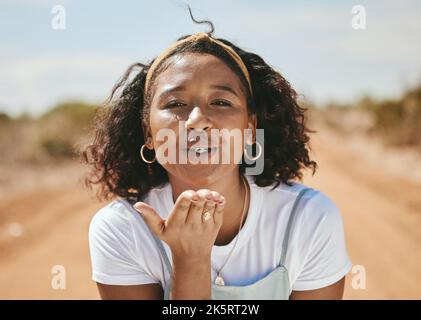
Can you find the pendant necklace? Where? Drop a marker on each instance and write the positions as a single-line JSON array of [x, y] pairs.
[[219, 280]]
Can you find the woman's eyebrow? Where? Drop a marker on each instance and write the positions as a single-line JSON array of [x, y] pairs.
[[224, 88], [172, 89], [184, 88]]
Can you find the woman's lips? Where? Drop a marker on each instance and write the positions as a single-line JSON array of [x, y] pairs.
[[201, 150]]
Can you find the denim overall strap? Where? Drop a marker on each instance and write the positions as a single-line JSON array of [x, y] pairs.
[[290, 224]]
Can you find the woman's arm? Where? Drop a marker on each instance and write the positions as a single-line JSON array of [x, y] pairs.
[[151, 291], [190, 240], [191, 280], [332, 292], [154, 292]]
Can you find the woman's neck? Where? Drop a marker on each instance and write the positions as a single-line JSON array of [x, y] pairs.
[[232, 188]]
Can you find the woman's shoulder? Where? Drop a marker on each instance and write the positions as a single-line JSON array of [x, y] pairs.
[[316, 211], [120, 218], [118, 214], [313, 205]]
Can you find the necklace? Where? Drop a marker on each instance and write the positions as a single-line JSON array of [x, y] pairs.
[[219, 280]]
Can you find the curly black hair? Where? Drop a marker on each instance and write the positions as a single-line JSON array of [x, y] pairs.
[[114, 152]]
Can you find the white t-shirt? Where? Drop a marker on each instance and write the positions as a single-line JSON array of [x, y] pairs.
[[123, 252]]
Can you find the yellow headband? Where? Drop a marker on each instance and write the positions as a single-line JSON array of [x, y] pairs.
[[195, 37]]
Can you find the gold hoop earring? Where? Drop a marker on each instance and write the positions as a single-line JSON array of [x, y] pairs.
[[143, 157], [259, 153]]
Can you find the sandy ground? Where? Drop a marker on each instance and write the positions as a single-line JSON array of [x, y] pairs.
[[382, 218], [46, 225]]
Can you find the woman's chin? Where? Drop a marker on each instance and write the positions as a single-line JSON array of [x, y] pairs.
[[200, 173], [196, 168]]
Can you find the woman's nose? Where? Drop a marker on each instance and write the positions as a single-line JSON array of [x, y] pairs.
[[198, 120]]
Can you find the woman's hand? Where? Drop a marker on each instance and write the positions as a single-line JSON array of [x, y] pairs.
[[190, 238], [185, 230]]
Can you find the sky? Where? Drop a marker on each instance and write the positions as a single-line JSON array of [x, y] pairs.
[[311, 43]]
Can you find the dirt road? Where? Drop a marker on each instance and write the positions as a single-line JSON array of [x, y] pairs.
[[382, 214]]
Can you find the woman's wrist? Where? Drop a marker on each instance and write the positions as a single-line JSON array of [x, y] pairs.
[[192, 267], [191, 278], [181, 259]]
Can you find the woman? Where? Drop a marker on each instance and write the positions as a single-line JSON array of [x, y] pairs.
[[206, 230]]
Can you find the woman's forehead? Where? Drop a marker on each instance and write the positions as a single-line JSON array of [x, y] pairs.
[[191, 67]]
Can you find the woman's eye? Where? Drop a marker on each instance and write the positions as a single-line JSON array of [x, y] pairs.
[[174, 104], [221, 103]]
